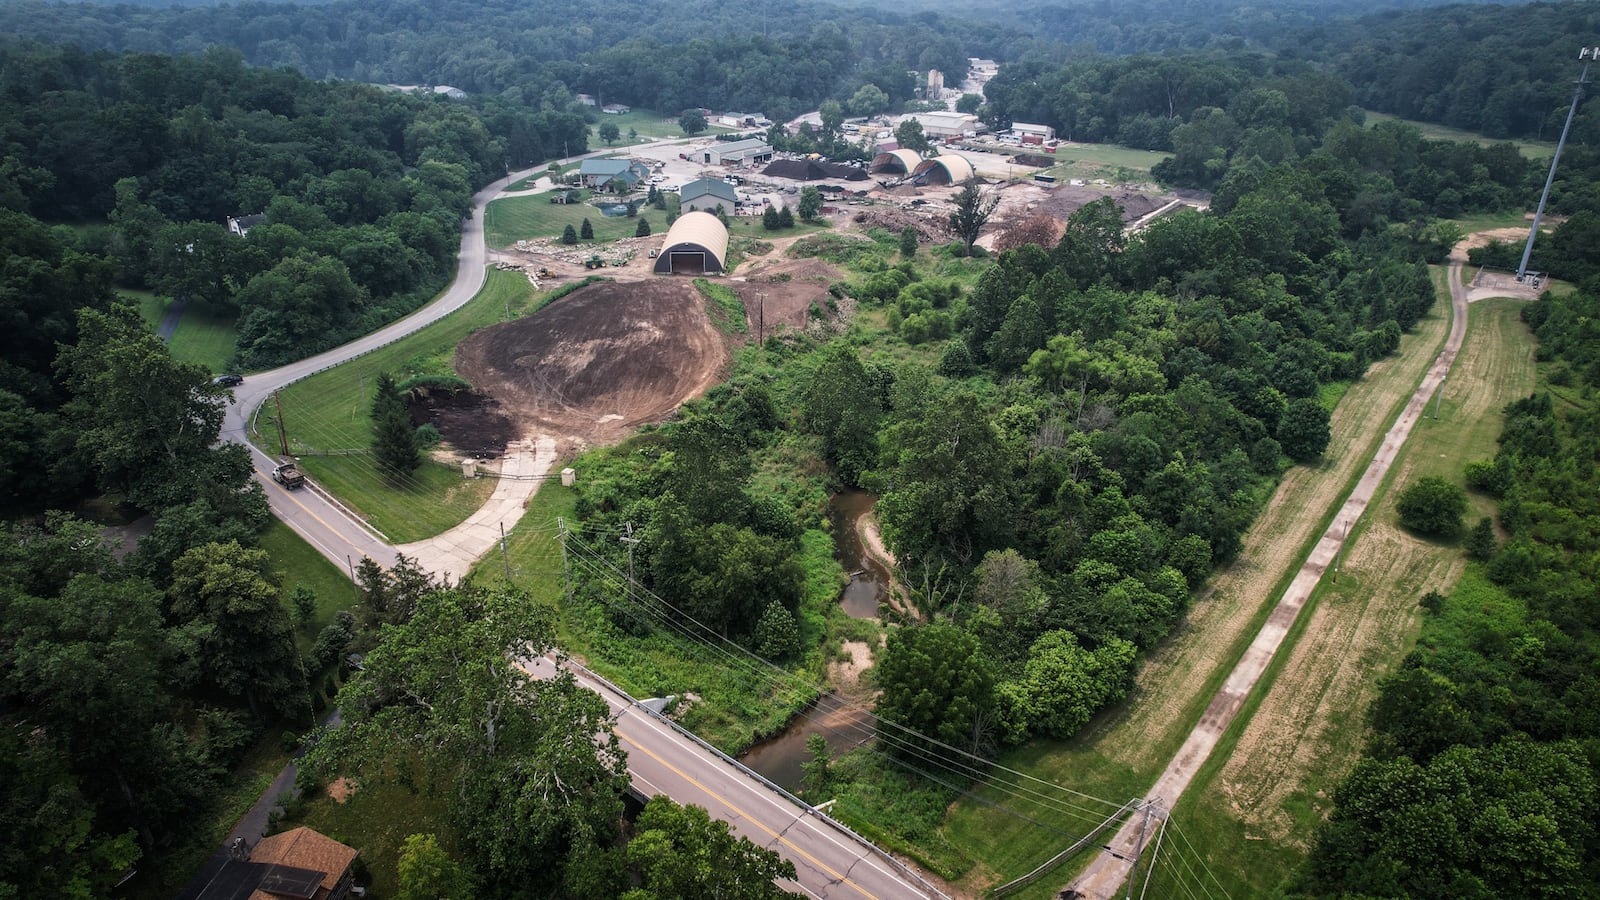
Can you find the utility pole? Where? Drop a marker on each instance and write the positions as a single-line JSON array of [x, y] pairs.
[[503, 557], [630, 540], [761, 318], [1439, 397], [1588, 55], [566, 572], [283, 436]]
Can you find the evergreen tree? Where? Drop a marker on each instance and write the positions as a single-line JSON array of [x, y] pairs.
[[394, 440], [769, 219], [785, 217], [1481, 543], [569, 235], [644, 228], [587, 231], [908, 241]]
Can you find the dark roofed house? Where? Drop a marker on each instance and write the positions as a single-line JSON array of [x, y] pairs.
[[615, 176], [241, 225], [300, 864]]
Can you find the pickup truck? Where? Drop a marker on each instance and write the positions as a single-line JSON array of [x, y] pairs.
[[288, 474]]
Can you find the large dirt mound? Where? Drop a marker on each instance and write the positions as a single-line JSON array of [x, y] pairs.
[[785, 289], [599, 362]]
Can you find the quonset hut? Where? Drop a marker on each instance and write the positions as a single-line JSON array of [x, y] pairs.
[[896, 162], [947, 169], [697, 244]]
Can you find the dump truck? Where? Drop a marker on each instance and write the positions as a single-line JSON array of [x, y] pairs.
[[288, 474]]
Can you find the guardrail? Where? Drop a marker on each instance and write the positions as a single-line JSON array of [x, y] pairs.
[[888, 857]]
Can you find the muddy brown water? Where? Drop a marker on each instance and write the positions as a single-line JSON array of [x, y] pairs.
[[779, 758]]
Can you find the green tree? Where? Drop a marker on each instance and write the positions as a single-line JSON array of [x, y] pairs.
[[832, 116], [769, 218], [297, 307], [428, 873], [1066, 683], [936, 682], [785, 217], [586, 232], [777, 635], [843, 406], [643, 228], [304, 602], [1432, 506], [230, 598], [721, 574], [633, 135], [908, 134], [692, 122], [908, 241], [868, 100], [817, 767], [569, 235], [810, 203], [973, 209], [1303, 430], [681, 852], [1481, 541], [609, 132], [530, 768], [394, 438], [969, 103]]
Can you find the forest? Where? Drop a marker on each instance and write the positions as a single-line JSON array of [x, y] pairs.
[[1066, 437]]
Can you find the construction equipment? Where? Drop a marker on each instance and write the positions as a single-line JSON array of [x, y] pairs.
[[594, 262], [544, 272]]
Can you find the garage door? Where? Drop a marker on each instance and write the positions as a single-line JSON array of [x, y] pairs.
[[688, 262]]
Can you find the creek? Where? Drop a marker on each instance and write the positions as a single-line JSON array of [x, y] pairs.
[[780, 757]]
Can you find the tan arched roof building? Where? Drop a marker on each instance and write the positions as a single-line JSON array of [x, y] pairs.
[[697, 243], [947, 169], [896, 161]]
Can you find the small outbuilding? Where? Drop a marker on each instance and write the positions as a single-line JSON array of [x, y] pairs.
[[697, 244], [946, 169], [729, 153]]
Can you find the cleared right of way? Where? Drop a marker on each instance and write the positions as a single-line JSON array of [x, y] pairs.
[[1111, 869]]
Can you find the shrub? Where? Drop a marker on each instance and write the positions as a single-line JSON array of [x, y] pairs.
[[1432, 506]]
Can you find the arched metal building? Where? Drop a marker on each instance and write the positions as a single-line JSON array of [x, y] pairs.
[[697, 244], [895, 162], [947, 169]]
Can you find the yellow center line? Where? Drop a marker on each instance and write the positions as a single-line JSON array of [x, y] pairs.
[[747, 817]]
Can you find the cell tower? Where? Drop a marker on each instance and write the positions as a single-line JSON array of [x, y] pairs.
[[1588, 55]]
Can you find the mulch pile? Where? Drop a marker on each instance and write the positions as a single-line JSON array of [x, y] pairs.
[[812, 170]]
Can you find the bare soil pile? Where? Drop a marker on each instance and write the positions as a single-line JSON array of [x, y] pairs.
[[599, 362], [812, 170], [472, 423], [788, 286]]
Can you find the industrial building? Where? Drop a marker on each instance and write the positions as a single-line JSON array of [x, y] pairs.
[[731, 153], [696, 244], [941, 125], [1027, 130]]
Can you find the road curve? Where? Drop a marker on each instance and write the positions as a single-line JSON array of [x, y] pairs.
[[1110, 870], [829, 862]]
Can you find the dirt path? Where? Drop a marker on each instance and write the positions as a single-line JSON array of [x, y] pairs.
[[1110, 870]]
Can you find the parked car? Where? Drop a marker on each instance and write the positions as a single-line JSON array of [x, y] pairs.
[[229, 380]]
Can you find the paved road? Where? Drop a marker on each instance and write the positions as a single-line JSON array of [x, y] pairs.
[[1109, 871], [828, 862]]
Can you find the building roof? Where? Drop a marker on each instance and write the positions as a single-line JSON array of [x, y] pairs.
[[746, 147], [946, 119], [906, 160], [700, 228], [1029, 126], [302, 848], [603, 167], [700, 187]]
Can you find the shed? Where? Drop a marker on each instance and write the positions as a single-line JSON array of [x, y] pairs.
[[896, 162], [697, 244], [946, 169], [707, 194]]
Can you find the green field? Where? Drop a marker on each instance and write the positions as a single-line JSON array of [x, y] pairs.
[[1530, 149], [151, 306], [1109, 162], [331, 411], [512, 219], [650, 125], [204, 336]]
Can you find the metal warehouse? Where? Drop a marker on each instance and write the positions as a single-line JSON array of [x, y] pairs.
[[697, 244]]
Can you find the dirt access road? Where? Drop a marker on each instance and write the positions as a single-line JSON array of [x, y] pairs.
[[1110, 870]]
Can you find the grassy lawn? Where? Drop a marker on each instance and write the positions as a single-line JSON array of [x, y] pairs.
[[649, 124], [1105, 161], [330, 411], [511, 219], [302, 566], [151, 305], [1529, 149], [205, 336]]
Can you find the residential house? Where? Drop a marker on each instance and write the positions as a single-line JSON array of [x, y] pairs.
[[706, 194], [612, 176], [300, 864], [241, 225]]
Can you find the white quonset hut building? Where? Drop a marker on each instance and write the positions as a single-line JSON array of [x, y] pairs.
[[895, 162], [947, 169], [697, 244]]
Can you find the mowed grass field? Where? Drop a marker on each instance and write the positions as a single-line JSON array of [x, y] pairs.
[[1122, 751], [331, 411], [513, 219], [1110, 162], [1254, 810], [648, 123], [1529, 149], [204, 336]]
